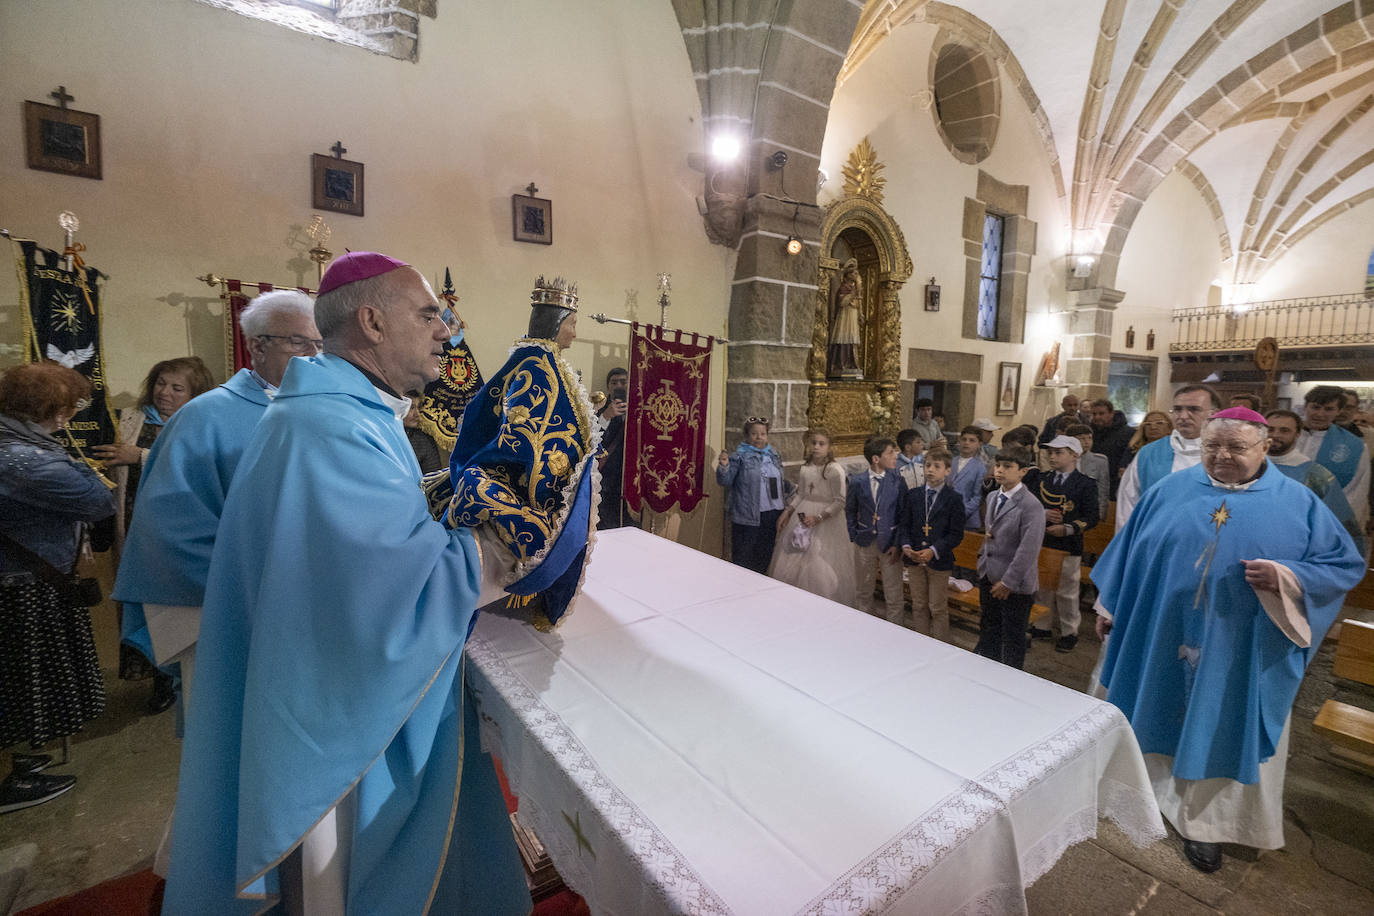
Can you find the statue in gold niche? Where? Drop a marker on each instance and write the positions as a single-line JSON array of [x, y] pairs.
[[846, 340]]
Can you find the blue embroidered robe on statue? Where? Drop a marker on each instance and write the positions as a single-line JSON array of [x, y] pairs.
[[524, 465], [335, 614], [1223, 715], [180, 496]]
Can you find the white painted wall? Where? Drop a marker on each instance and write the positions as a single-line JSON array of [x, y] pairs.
[[1332, 260], [209, 119], [925, 192], [1170, 260]]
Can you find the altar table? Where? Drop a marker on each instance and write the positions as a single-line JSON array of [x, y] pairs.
[[697, 738]]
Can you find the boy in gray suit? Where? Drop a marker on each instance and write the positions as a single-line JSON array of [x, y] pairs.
[[1008, 561]]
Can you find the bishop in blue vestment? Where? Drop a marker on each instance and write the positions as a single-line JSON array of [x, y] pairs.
[[1220, 589], [330, 730]]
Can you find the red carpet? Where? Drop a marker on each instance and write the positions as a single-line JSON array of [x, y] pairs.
[[140, 894]]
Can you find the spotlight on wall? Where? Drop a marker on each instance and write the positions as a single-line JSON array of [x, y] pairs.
[[777, 160], [794, 245], [821, 178], [725, 148], [1083, 266]]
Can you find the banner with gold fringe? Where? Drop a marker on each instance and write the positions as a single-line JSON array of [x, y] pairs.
[[60, 311], [665, 428], [441, 409]]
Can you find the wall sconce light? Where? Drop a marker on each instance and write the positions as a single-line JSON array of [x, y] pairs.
[[794, 242], [1083, 266], [1130, 338], [1150, 340], [794, 245], [822, 176], [725, 148], [777, 160], [932, 296]]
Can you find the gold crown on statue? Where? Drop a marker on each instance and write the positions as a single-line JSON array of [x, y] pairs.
[[556, 292]]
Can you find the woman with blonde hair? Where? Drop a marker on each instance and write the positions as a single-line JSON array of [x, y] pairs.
[[813, 551], [1154, 425]]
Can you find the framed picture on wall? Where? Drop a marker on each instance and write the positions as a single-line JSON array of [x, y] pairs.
[[531, 219], [62, 140], [1008, 389], [336, 184]]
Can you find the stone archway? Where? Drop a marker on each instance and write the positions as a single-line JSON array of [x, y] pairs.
[[857, 226]]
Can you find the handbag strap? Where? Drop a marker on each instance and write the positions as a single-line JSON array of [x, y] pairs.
[[36, 564]]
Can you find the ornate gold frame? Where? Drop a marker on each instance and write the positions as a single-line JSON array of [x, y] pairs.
[[843, 407]]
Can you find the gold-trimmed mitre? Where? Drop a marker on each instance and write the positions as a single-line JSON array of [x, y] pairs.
[[557, 292]]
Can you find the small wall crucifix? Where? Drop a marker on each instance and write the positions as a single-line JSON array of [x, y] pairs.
[[338, 149], [61, 97]]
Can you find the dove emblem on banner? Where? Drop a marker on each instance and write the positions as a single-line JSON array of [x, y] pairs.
[[70, 358]]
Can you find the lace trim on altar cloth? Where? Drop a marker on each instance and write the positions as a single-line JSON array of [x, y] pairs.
[[876, 883], [671, 876]]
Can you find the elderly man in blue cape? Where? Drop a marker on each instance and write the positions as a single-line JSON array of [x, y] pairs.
[[1341, 452], [181, 493], [331, 755], [523, 470], [1218, 593], [1285, 427], [1192, 407]]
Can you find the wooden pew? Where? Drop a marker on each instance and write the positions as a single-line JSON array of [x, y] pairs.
[[1350, 729], [1096, 538], [964, 607]]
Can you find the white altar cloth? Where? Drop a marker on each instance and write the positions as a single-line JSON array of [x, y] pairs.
[[697, 738]]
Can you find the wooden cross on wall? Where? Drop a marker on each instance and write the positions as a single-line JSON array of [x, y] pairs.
[[61, 97], [338, 149]]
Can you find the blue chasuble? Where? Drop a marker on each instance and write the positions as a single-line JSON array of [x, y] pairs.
[[180, 496], [1194, 662], [1328, 489], [524, 464], [335, 614], [1340, 453], [1154, 462]]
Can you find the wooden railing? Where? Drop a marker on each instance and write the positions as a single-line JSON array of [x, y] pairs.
[[1312, 322]]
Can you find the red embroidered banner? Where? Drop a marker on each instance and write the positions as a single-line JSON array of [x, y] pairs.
[[665, 428]]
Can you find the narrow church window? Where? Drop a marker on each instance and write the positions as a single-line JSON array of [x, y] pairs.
[[990, 276]]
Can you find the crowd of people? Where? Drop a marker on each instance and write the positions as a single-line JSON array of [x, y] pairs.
[[267, 506], [1236, 537]]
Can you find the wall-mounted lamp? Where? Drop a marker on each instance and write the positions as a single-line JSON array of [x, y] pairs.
[[932, 296], [1130, 337], [1083, 266], [725, 148], [1150, 340], [821, 178], [794, 242], [794, 245], [777, 160]]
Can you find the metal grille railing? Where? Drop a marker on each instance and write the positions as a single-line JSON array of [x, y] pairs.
[[1310, 322]]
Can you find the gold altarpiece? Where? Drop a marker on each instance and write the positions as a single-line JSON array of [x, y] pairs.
[[857, 227]]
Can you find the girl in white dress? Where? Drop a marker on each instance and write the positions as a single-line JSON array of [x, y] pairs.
[[813, 550]]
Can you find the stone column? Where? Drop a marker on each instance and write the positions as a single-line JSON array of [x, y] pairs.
[[772, 314], [1090, 327]]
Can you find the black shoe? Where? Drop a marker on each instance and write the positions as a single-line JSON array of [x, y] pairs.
[[1037, 633], [1205, 857], [26, 790], [1066, 643], [164, 694], [25, 764]]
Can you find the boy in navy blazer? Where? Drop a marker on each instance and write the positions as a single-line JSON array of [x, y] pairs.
[[1070, 500], [871, 506], [966, 474], [931, 525], [1008, 562]]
